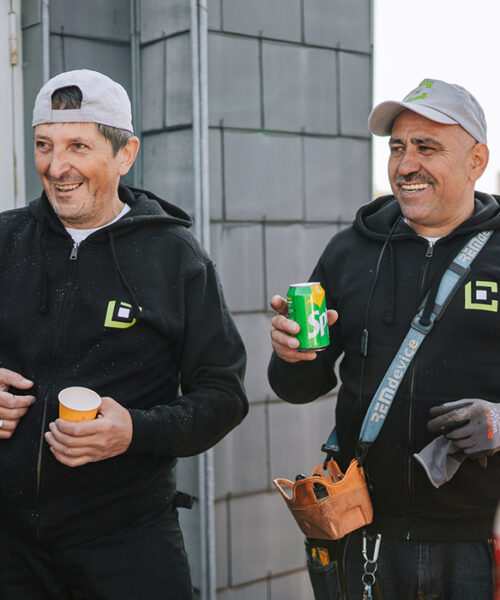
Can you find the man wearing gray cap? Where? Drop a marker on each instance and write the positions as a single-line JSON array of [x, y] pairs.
[[415, 287], [103, 287]]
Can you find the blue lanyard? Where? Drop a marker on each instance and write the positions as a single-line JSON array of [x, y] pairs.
[[386, 392]]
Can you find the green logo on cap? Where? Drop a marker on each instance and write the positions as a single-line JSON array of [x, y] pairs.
[[424, 83]]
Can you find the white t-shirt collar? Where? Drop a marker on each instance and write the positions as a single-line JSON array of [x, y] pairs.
[[79, 235]]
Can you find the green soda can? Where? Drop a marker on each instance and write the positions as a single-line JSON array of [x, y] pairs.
[[307, 306]]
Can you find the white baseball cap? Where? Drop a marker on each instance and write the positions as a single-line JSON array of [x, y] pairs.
[[438, 101], [103, 101]]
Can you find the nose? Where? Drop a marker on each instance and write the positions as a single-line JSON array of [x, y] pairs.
[[59, 165], [409, 163]]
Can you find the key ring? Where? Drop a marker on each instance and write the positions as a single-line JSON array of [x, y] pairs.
[[370, 565]]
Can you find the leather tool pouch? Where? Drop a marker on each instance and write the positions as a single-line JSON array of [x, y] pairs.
[[329, 507]]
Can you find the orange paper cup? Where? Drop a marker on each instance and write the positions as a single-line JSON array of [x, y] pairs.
[[78, 404]]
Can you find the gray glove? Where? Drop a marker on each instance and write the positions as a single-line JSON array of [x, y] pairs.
[[440, 460], [472, 424]]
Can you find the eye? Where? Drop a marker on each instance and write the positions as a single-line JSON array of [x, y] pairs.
[[79, 146], [396, 150], [426, 149], [41, 145]]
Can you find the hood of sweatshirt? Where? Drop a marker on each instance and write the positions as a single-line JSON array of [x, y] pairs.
[[376, 219], [382, 220], [145, 208]]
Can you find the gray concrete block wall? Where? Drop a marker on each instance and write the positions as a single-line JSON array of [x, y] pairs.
[[32, 75], [289, 95], [276, 19], [160, 19], [338, 24], [168, 166], [263, 177], [299, 88], [233, 81], [92, 19]]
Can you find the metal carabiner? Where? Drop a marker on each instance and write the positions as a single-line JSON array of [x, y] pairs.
[[370, 565], [376, 548]]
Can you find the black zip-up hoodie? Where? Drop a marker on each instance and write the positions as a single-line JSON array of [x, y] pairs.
[[132, 312], [458, 359]]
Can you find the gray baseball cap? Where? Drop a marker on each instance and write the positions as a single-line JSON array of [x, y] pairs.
[[438, 101], [103, 101]]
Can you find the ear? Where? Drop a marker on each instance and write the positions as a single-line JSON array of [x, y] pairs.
[[479, 156], [127, 154]]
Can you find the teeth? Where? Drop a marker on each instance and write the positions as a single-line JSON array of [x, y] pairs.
[[68, 187], [414, 186]]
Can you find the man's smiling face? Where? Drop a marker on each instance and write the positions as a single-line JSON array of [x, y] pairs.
[[79, 172], [432, 170]]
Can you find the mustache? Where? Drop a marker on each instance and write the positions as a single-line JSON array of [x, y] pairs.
[[413, 178]]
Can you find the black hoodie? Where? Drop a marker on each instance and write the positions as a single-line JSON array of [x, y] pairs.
[[458, 359], [132, 312]]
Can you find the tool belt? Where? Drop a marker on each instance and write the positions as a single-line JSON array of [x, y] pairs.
[[329, 507]]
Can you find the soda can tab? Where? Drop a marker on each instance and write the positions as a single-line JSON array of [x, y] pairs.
[[307, 306]]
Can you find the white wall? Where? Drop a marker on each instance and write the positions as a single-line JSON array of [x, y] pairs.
[[11, 106]]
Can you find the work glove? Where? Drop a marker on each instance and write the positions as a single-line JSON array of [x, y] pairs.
[[440, 460], [472, 424]]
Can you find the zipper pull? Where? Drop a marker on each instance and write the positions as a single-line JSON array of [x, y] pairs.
[[430, 251], [74, 252]]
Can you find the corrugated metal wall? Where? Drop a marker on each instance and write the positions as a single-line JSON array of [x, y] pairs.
[[289, 91]]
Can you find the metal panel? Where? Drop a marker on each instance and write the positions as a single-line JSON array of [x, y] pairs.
[[238, 253], [234, 83], [288, 262], [214, 14], [300, 89], [163, 18], [93, 18], [33, 69], [257, 548], [31, 13], [334, 189], [278, 19], [254, 329], [178, 81], [338, 24], [168, 166], [263, 176], [68, 53], [153, 86], [355, 96], [249, 440]]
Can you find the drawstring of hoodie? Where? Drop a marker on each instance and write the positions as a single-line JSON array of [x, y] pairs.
[[135, 306], [390, 308]]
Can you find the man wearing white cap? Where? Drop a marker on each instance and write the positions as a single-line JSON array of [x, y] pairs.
[[432, 467], [103, 287]]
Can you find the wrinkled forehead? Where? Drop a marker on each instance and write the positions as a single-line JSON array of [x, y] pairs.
[[410, 123], [68, 130]]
